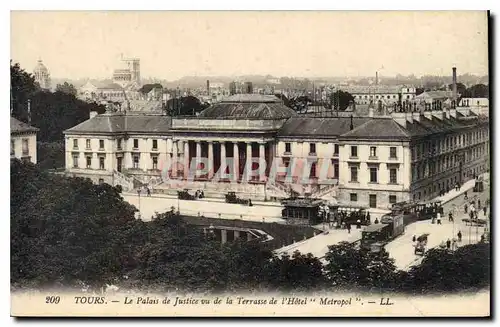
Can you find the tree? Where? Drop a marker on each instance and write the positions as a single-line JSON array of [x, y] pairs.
[[296, 273], [66, 88], [477, 91], [23, 86], [66, 231], [185, 106], [146, 88], [467, 268], [342, 97], [351, 267]]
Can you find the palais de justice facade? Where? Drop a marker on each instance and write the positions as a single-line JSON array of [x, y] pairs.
[[409, 154]]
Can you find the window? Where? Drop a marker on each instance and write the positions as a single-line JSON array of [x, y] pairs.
[[393, 152], [354, 174], [155, 144], [75, 144], [312, 147], [26, 149], [313, 170], [336, 170], [136, 161], [101, 144], [354, 197], [373, 175], [155, 162], [288, 147], [75, 161], [89, 161], [136, 144], [354, 151], [393, 176], [373, 151], [392, 199], [373, 201], [336, 149], [87, 143], [119, 144], [101, 162], [12, 147]]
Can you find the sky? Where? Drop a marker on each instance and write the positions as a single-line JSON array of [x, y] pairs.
[[80, 44]]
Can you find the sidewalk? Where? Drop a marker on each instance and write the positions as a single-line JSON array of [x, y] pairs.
[[467, 186], [207, 199]]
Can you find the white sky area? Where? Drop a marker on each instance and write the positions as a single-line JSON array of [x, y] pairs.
[[79, 44]]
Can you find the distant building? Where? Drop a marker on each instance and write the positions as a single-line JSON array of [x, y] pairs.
[[42, 75], [22, 140], [385, 93], [128, 73]]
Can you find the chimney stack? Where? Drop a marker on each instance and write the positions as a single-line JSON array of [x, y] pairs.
[[376, 78], [455, 95], [352, 124], [208, 87], [248, 87]]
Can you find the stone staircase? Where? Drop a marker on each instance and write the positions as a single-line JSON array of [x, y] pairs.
[[328, 190], [128, 183]]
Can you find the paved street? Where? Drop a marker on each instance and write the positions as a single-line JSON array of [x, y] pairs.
[[149, 205], [402, 250]]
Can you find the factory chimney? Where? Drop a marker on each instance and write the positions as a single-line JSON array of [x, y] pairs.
[[248, 87], [376, 78], [208, 87], [454, 86]]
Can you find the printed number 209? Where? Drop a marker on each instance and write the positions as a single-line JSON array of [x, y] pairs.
[[52, 299]]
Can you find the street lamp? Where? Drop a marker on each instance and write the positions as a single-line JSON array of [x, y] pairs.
[[139, 195]]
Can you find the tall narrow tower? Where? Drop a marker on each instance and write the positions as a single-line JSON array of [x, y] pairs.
[[454, 85]]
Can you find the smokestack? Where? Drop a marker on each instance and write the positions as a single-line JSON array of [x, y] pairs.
[[352, 124], [208, 87], [376, 78], [455, 95], [248, 87]]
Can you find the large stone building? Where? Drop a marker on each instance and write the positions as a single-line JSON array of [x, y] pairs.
[[385, 94], [256, 146], [42, 75], [22, 140]]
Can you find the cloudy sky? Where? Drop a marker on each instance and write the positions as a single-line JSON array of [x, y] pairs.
[[175, 44]]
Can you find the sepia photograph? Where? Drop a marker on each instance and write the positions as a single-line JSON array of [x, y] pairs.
[[250, 164]]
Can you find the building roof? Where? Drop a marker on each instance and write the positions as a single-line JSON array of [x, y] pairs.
[[319, 126], [249, 106], [378, 128], [123, 123], [40, 67], [373, 89], [17, 126], [435, 95]]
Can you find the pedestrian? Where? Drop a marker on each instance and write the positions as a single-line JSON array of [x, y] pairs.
[[482, 238], [349, 228], [376, 221], [478, 204], [438, 218], [448, 244], [148, 191], [454, 244], [358, 224], [484, 210], [459, 235], [450, 216], [368, 217], [414, 239], [465, 208]]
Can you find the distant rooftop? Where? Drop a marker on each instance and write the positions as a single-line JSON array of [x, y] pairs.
[[17, 126]]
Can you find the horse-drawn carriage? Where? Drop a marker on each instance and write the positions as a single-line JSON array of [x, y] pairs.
[[184, 195], [421, 244], [232, 198]]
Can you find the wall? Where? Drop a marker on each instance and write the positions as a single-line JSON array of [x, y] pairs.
[[17, 139]]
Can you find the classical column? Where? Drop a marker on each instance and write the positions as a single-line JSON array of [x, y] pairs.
[[222, 168], [210, 159], [186, 159], [236, 161], [173, 165], [262, 158], [249, 161], [198, 155]]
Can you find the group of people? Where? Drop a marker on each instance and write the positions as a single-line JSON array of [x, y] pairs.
[[343, 219]]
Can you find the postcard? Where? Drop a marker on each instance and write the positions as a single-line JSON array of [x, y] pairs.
[[250, 163]]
